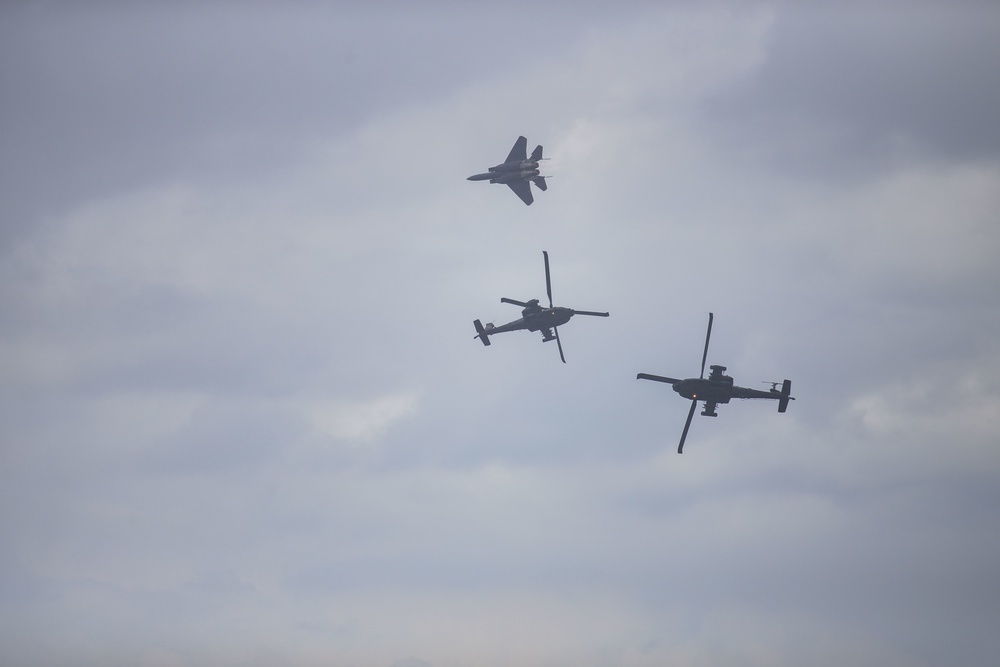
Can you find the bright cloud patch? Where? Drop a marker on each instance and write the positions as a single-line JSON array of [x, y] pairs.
[[362, 421]]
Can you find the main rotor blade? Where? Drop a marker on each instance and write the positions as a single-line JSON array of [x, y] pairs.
[[704, 355], [590, 312], [548, 280], [504, 299], [687, 425], [555, 330], [656, 378]]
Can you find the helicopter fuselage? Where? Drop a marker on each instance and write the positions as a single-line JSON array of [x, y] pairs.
[[719, 391], [536, 318]]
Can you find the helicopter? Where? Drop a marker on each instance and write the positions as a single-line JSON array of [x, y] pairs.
[[535, 318], [718, 388]]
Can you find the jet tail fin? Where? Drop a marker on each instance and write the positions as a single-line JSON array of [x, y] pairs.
[[481, 333], [786, 390], [540, 182], [536, 154]]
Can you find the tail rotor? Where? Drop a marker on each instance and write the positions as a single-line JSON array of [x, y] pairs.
[[482, 333], [786, 390]]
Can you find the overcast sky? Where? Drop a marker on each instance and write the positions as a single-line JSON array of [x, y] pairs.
[[244, 419]]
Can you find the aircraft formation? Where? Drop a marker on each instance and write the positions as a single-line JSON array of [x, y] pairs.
[[517, 172]]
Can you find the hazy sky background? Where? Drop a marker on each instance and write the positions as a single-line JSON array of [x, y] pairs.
[[244, 419]]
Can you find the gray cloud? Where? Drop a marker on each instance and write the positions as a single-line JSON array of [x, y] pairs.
[[246, 420], [851, 92]]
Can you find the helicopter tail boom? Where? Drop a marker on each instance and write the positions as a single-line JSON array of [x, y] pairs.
[[786, 390]]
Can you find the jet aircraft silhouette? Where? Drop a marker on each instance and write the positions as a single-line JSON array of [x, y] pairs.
[[517, 171]]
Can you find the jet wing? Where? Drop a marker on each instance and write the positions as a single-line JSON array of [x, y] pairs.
[[523, 190], [519, 153]]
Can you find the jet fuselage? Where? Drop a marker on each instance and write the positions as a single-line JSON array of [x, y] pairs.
[[507, 173]]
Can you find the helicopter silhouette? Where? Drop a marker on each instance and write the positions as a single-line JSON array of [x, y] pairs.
[[535, 318], [718, 388]]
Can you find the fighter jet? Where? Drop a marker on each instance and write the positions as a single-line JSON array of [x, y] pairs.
[[517, 170]]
